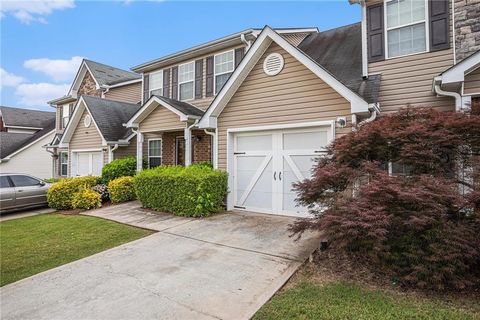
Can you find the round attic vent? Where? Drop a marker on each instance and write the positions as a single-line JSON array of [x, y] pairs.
[[273, 64], [87, 121]]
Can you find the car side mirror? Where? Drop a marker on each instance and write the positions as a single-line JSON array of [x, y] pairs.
[[42, 183]]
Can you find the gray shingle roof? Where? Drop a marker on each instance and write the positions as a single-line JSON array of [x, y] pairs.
[[110, 115], [11, 142], [184, 107], [107, 75], [25, 117], [339, 51]]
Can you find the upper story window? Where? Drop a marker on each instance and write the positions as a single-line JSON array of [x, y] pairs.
[[224, 66], [65, 115], [406, 27], [156, 83], [186, 79]]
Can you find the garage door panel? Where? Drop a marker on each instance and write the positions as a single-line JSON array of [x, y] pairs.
[[254, 143], [88, 163], [304, 140]]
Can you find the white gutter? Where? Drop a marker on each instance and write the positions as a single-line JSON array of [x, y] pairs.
[[248, 43], [214, 147], [457, 96], [110, 152]]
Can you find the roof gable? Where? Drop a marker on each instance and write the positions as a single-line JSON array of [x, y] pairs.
[[25, 118], [266, 37], [13, 143]]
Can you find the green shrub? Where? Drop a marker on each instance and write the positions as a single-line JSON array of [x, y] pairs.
[[119, 168], [60, 194], [121, 189], [194, 191], [204, 164], [86, 199]]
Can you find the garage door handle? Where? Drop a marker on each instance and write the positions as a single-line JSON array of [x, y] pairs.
[[275, 176], [280, 176]]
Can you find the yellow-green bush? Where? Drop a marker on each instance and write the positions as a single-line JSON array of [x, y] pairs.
[[86, 199], [61, 193], [121, 189], [193, 191]]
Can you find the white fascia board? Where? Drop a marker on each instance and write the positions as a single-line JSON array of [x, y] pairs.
[[148, 108], [121, 84], [28, 145], [266, 37], [20, 127], [457, 72]]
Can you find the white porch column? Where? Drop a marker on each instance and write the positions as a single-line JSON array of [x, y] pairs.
[[139, 151], [188, 146]]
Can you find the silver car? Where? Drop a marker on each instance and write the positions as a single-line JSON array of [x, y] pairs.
[[19, 191]]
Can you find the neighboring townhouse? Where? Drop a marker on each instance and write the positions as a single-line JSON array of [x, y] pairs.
[[96, 80], [23, 133], [263, 104]]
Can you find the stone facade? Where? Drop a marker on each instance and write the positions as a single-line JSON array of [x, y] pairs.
[[88, 87], [467, 28]]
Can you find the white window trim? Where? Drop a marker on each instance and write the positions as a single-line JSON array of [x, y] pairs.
[[65, 123], [193, 81], [161, 150], [386, 29], [61, 163], [219, 74], [150, 89]]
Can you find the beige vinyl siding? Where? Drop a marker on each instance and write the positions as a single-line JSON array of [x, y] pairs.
[[126, 151], [408, 80], [131, 93], [295, 38], [85, 138], [472, 83], [161, 119], [295, 95], [205, 101]]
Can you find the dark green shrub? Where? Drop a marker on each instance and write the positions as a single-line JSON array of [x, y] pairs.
[[86, 199], [194, 191], [61, 193], [204, 164], [121, 189], [119, 168]]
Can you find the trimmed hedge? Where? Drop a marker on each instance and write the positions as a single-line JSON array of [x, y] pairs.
[[60, 194], [193, 191], [121, 189], [86, 199], [119, 168]]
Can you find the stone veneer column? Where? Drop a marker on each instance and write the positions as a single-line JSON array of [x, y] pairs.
[[467, 28]]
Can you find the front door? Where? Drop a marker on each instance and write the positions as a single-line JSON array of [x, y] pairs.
[[267, 164]]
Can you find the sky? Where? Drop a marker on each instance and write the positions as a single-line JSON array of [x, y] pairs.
[[43, 42]]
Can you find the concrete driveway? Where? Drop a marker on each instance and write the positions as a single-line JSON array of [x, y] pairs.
[[223, 267]]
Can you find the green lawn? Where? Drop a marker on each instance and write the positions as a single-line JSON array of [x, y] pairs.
[[35, 244], [340, 300]]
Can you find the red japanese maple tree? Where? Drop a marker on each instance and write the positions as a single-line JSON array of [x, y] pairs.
[[422, 224]]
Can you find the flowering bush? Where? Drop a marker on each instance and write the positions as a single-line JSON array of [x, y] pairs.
[[102, 190], [422, 224], [121, 189], [61, 193], [86, 199]]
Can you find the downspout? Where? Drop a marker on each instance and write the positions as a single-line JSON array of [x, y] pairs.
[[139, 152], [110, 152], [457, 96], [53, 161], [214, 146], [248, 43], [364, 40], [373, 116]]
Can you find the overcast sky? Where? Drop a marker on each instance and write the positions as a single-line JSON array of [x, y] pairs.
[[43, 42]]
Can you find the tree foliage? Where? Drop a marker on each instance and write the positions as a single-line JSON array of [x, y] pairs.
[[423, 226]]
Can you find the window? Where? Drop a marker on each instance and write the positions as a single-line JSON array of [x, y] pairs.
[[154, 153], [24, 181], [65, 115], [4, 182], [398, 168], [156, 83], [63, 163], [406, 27], [186, 76], [224, 65]]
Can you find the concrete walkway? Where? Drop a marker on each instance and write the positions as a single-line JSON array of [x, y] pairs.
[[24, 213], [222, 267]]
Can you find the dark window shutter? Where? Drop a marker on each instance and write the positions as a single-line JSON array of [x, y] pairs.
[[166, 83], [209, 89], [70, 108], [439, 24], [175, 83], [375, 36], [198, 79], [238, 56], [146, 93]]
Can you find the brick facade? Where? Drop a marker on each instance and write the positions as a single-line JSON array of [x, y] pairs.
[[88, 86], [467, 28], [202, 146]]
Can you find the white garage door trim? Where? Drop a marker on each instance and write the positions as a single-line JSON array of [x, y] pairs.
[[90, 154], [267, 161]]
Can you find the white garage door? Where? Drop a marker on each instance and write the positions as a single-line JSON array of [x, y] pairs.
[[266, 164], [88, 163]]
